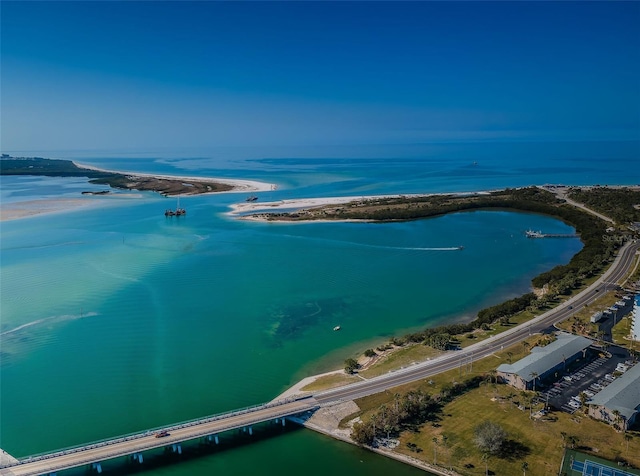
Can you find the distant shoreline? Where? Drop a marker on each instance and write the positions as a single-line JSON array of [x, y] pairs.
[[239, 185], [130, 182]]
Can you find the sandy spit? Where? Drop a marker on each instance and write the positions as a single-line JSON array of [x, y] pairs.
[[238, 209], [238, 184]]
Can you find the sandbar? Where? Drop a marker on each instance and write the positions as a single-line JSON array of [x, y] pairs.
[[239, 185], [30, 208]]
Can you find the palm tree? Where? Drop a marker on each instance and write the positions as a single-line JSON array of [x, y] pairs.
[[627, 438], [616, 416], [493, 375], [534, 375], [374, 420], [444, 443], [396, 400], [509, 355], [525, 467], [435, 450], [583, 399]]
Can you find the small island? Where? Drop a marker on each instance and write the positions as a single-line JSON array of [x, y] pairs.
[[163, 184]]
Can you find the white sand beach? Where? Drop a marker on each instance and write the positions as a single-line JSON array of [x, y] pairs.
[[30, 208], [248, 207], [239, 185], [238, 209]]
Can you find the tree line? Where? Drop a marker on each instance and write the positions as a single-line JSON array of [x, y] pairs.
[[408, 411], [595, 255], [617, 203]]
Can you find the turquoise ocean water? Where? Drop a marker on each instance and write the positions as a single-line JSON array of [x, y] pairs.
[[117, 319]]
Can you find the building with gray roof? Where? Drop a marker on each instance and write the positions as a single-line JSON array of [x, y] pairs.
[[544, 361], [635, 318], [619, 402]]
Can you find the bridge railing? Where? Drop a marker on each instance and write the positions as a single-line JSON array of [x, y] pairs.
[[141, 434]]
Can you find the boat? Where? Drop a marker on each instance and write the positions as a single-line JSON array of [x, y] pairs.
[[177, 212], [251, 198], [460, 248], [337, 328], [534, 234]]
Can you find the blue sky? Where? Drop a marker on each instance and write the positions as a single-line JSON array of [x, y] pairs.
[[142, 75]]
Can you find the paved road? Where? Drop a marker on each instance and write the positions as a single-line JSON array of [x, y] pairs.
[[454, 359], [561, 193], [117, 448], [451, 360]]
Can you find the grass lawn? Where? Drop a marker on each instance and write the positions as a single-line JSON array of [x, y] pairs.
[[401, 357], [620, 332], [329, 381], [539, 443], [580, 321]]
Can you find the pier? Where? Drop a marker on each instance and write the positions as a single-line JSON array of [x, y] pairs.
[[134, 445], [539, 234]]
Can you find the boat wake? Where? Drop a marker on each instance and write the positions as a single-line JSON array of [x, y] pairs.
[[52, 319], [449, 248], [381, 247]]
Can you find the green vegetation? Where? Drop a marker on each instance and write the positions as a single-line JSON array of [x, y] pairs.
[[556, 285], [580, 321], [447, 432], [489, 437], [560, 281], [351, 365], [48, 167], [329, 381], [400, 357], [66, 168], [621, 204], [620, 332], [408, 410]]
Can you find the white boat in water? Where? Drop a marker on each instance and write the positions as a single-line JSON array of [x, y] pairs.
[[337, 328]]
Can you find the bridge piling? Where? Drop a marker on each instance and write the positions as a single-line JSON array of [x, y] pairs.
[[131, 447]]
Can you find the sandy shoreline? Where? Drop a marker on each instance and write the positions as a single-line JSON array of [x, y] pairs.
[[238, 209], [240, 186], [248, 207], [31, 208]]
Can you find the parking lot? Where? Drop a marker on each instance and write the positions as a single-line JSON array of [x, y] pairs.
[[590, 378]]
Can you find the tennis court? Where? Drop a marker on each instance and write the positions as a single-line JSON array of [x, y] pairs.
[[591, 468]]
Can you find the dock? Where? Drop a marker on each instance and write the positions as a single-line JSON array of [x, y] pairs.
[[539, 234]]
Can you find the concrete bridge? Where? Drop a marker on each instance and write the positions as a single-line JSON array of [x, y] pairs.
[[208, 427], [133, 445]]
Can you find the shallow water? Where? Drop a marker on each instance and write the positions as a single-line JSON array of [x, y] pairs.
[[119, 319]]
